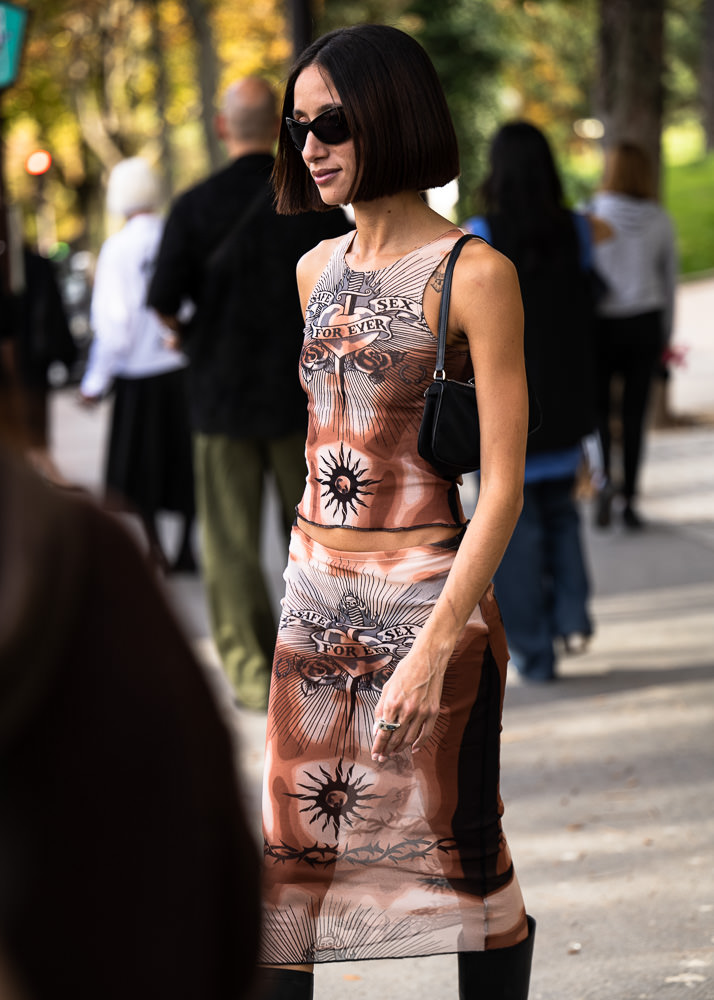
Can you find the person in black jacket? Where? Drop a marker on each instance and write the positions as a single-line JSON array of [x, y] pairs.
[[34, 327], [542, 583], [227, 256]]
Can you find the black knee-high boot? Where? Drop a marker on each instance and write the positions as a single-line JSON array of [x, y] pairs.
[[283, 984], [501, 974]]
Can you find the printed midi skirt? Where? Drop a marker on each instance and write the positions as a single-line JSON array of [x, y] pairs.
[[366, 860]]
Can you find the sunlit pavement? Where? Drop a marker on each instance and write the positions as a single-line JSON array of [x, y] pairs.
[[608, 774]]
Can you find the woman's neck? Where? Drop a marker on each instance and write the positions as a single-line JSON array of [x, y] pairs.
[[389, 228]]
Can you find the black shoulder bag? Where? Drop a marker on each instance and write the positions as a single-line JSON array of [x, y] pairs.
[[449, 437]]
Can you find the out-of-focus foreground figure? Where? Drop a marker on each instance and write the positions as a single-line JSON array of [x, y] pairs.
[[126, 866]]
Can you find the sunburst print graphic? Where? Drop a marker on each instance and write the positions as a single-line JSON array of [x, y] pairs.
[[335, 799], [344, 482]]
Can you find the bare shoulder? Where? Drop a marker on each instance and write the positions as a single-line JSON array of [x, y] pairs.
[[480, 266], [484, 280], [313, 263]]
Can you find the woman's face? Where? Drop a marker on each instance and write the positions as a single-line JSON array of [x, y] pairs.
[[332, 167]]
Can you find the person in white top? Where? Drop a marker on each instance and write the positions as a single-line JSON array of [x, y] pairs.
[[149, 456], [639, 268]]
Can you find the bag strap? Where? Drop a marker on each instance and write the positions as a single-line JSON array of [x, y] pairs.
[[439, 373]]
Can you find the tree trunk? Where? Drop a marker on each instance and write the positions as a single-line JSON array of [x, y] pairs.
[[198, 13], [707, 74], [630, 91], [158, 53], [301, 22]]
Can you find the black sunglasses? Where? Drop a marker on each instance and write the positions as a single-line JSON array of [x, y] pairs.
[[330, 127]]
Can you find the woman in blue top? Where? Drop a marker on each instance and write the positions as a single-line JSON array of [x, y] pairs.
[[542, 582]]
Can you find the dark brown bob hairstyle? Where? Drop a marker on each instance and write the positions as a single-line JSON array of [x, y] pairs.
[[395, 107]]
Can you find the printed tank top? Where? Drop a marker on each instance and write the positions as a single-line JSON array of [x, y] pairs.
[[367, 358]]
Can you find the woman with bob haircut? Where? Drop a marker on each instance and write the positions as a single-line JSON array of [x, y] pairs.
[[382, 813]]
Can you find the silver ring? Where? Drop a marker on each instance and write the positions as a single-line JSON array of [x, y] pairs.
[[387, 727]]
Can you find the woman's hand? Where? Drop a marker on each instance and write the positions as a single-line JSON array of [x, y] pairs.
[[411, 697]]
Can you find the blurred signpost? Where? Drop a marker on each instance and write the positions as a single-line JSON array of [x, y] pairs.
[[13, 21]]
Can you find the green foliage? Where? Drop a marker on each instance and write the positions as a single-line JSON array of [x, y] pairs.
[[90, 88], [551, 66], [683, 46], [689, 198], [465, 41]]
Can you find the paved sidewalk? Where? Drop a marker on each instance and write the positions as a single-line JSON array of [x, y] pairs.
[[608, 775]]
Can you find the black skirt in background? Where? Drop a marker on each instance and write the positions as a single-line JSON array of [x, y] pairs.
[[149, 462]]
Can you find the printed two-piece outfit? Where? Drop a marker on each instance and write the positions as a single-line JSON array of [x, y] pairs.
[[406, 858]]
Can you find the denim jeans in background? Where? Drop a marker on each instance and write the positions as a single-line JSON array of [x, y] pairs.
[[542, 584]]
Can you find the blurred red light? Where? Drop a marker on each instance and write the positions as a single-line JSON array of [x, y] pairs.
[[38, 163]]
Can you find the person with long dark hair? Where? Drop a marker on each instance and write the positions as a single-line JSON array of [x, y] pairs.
[[382, 814], [639, 267], [542, 583]]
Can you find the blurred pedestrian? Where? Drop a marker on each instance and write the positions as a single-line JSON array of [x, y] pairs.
[[639, 268], [227, 256], [36, 333], [127, 868], [382, 816], [149, 456], [542, 582]]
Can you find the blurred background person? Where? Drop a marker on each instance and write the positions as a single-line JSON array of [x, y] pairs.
[[36, 335], [149, 454], [228, 256], [639, 268], [542, 583]]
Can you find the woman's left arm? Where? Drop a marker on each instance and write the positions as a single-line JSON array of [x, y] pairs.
[[486, 306]]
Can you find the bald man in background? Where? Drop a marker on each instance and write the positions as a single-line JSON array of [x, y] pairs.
[[227, 256]]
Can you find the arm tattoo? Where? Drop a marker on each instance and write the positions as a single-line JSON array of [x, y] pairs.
[[436, 281]]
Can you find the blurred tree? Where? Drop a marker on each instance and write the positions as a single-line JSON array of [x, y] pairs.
[[465, 39], [199, 15], [550, 64], [329, 14], [103, 79], [157, 51], [630, 97], [707, 73], [301, 24], [684, 46]]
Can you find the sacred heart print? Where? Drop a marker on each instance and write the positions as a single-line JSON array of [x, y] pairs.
[[348, 321]]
